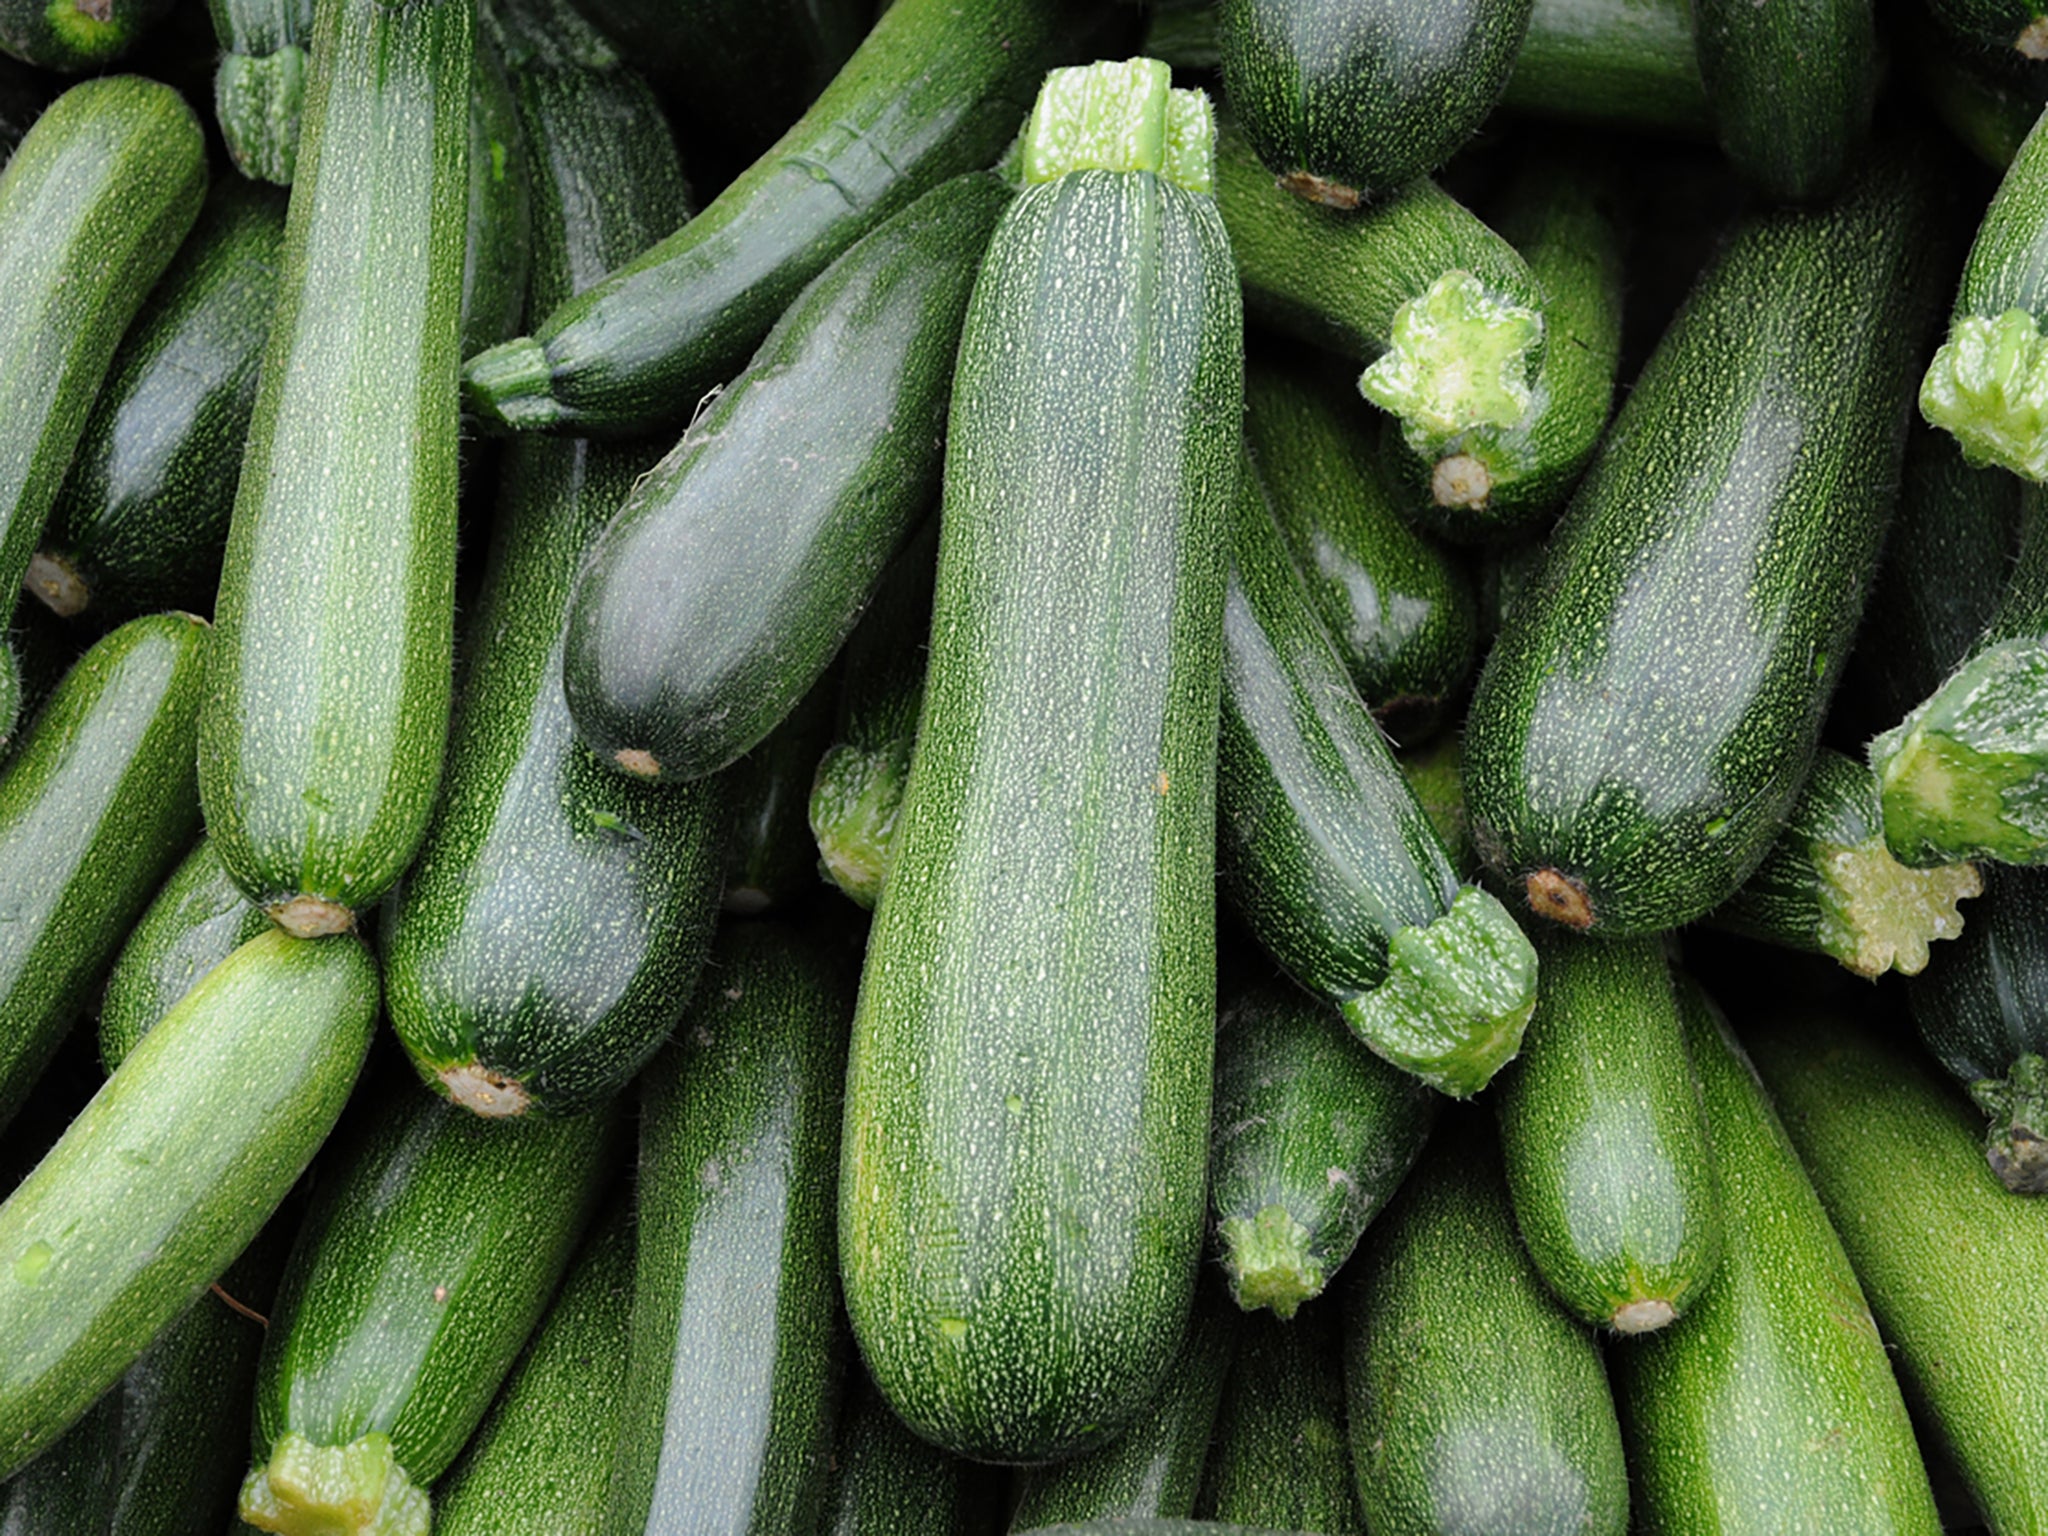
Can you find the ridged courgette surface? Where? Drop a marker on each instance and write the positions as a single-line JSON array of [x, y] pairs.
[[1054, 862]]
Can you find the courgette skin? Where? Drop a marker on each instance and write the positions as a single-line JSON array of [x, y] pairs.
[[733, 1376], [1623, 63], [1650, 708], [93, 204], [1781, 1344], [143, 512], [97, 807], [1474, 1401], [1829, 885], [498, 247], [1154, 1468], [428, 1256], [887, 1482], [539, 1463], [196, 920], [1280, 1456], [1313, 1134], [737, 568], [259, 87], [1790, 89], [1604, 1141], [172, 1168], [547, 936], [2016, 30], [768, 857], [936, 89], [326, 715], [75, 36], [1054, 860], [1346, 100], [1947, 1257]]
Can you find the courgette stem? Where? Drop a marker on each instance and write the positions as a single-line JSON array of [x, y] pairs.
[[356, 1489]]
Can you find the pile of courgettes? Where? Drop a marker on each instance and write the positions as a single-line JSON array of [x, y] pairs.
[[1060, 827]]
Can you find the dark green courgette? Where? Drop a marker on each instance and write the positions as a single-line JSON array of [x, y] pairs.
[[2015, 32], [1280, 1457], [858, 792], [327, 705], [1154, 1468], [887, 1482], [1617, 63], [1649, 711], [196, 920], [1435, 775], [1950, 1260], [1790, 89], [737, 567], [1475, 1403], [1781, 1350], [97, 807], [1829, 885], [1347, 100], [937, 89], [93, 205], [1989, 113], [539, 1463], [76, 36], [733, 1376], [427, 1258], [1326, 853], [769, 863], [1148, 1527], [1982, 1009], [1604, 1142], [1312, 1135], [1054, 862], [259, 88], [143, 514], [546, 938], [170, 1171], [1399, 608], [498, 247]]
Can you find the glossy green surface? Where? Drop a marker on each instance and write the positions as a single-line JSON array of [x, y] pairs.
[[770, 862], [1772, 1409], [548, 935], [737, 568], [733, 1377], [328, 692], [1279, 1458], [96, 808], [539, 1463], [1949, 1259], [1398, 608], [143, 514], [936, 89], [1800, 144], [1622, 63], [887, 1482], [498, 250], [433, 1244], [197, 918], [1648, 712], [93, 205], [171, 1169], [1312, 1136], [1475, 1403], [1054, 861], [1154, 1468], [1604, 1142], [1360, 97]]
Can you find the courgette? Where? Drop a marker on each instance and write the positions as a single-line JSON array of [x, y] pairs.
[[1325, 852], [99, 804], [1649, 711], [1781, 1345], [327, 707], [259, 87], [143, 513], [93, 204], [547, 936], [2003, 28], [1312, 1135], [733, 1374], [887, 1482], [736, 569], [170, 1171], [1829, 884], [1617, 63], [1790, 90], [427, 1258], [1606, 1150], [769, 863], [1948, 1258], [1054, 862], [196, 920], [76, 36], [498, 246], [1475, 1403], [936, 89], [1346, 100]]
